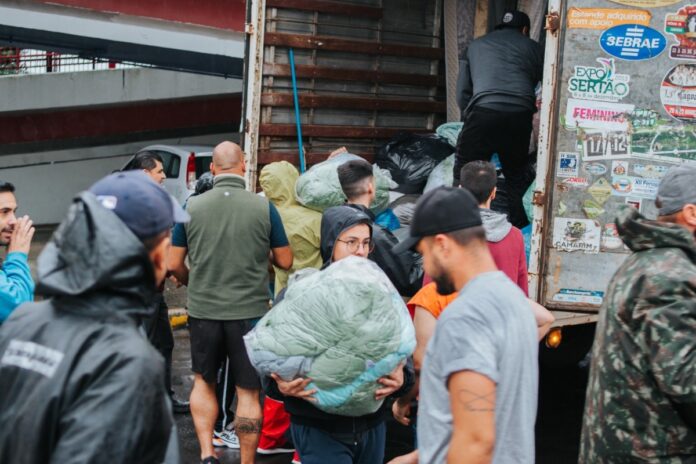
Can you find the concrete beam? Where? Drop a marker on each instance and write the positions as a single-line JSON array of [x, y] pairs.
[[91, 88], [128, 38]]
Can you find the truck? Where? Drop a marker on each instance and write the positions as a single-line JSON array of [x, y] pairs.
[[617, 112]]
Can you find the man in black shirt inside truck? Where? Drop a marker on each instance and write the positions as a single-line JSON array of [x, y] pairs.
[[495, 91]]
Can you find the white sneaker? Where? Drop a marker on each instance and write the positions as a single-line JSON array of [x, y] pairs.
[[226, 438]]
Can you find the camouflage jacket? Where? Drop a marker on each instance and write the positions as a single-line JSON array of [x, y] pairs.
[[644, 352]]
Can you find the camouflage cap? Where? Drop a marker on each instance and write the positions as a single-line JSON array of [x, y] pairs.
[[677, 189]]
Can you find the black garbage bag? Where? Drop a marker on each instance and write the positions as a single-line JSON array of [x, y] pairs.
[[410, 158]]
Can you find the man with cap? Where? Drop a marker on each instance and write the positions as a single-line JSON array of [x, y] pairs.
[[498, 74], [478, 384], [641, 395], [79, 381]]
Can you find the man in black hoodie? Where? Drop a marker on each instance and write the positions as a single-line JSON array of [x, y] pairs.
[[320, 437], [405, 270], [79, 381]]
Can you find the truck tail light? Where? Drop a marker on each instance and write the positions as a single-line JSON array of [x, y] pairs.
[[553, 339], [191, 171]]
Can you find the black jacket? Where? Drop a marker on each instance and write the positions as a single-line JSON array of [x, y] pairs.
[[79, 382], [405, 270], [500, 70], [334, 221]]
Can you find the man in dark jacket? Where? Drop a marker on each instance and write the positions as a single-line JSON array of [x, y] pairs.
[[79, 381], [405, 270], [641, 395], [320, 437], [495, 90], [158, 329]]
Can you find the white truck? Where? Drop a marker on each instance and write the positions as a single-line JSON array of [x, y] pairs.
[[617, 111]]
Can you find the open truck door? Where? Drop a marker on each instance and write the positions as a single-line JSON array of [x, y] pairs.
[[619, 109]]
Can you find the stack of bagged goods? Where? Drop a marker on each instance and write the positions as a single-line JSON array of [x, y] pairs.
[[343, 327], [319, 188], [410, 158]]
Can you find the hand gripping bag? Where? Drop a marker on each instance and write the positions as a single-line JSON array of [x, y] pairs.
[[343, 327], [319, 188]]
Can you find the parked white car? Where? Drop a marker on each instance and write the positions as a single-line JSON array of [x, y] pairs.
[[183, 165]]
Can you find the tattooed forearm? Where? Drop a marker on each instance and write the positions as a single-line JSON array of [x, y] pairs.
[[475, 402], [245, 425]]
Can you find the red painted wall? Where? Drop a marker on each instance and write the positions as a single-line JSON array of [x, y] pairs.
[[221, 14], [85, 123]]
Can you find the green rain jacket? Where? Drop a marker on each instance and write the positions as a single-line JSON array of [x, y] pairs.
[[301, 224], [641, 395]]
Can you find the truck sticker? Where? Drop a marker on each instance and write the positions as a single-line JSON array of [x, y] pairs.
[[632, 42], [634, 203], [643, 118], [592, 209], [605, 145], [570, 234], [619, 168], [678, 92], [646, 3], [588, 114], [603, 18], [600, 83], [596, 169], [650, 171], [610, 238], [600, 190], [577, 182], [568, 295], [669, 143], [635, 187], [568, 164], [682, 25]]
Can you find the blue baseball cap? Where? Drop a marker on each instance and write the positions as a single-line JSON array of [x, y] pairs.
[[143, 206]]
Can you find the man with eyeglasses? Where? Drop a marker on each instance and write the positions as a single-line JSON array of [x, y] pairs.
[[320, 437], [403, 269]]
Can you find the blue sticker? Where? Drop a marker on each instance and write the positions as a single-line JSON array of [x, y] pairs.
[[633, 42]]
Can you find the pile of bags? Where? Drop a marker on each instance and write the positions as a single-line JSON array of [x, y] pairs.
[[319, 188], [343, 327]]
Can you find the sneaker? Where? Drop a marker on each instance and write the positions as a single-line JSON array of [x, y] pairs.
[[210, 460], [180, 406], [286, 448], [296, 458], [226, 438]]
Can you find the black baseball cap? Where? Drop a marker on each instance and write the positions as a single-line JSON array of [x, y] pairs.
[[442, 210], [514, 19], [143, 206]]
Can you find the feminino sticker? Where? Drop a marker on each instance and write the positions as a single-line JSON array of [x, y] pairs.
[[576, 235], [587, 114], [600, 83]]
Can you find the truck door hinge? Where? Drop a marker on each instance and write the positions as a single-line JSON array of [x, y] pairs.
[[539, 198]]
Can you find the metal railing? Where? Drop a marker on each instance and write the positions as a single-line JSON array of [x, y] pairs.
[[14, 61]]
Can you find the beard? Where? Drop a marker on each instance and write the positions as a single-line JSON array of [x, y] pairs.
[[442, 280]]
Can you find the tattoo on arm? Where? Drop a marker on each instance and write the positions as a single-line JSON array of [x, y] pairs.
[[246, 425], [475, 402]]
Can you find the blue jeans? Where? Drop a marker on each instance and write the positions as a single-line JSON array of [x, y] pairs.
[[315, 446]]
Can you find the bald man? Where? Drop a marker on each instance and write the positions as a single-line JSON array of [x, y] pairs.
[[228, 240]]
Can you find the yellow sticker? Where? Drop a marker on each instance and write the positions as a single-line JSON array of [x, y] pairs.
[[646, 3], [604, 18], [600, 190]]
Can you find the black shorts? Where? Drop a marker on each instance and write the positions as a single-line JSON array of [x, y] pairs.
[[213, 340]]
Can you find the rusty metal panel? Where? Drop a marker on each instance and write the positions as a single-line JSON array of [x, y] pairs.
[[366, 70], [618, 112]]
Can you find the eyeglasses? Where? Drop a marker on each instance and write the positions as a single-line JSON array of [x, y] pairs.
[[354, 244]]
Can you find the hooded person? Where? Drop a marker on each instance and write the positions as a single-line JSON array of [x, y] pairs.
[[301, 224], [79, 381], [405, 270], [318, 436]]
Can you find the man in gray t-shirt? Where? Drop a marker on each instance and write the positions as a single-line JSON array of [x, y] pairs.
[[479, 380]]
